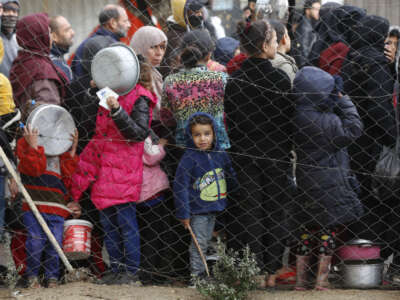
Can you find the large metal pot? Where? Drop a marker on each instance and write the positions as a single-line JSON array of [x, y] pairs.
[[55, 125], [362, 274], [116, 67]]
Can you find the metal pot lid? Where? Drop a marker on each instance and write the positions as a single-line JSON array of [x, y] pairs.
[[116, 67], [376, 261], [55, 125], [360, 242]]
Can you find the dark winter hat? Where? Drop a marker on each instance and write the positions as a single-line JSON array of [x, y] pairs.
[[200, 39], [4, 2], [225, 49], [195, 5]]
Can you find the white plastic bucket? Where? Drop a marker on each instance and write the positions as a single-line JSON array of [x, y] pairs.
[[77, 238]]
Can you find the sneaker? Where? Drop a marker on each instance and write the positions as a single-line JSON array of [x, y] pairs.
[[52, 282], [22, 282], [108, 278], [121, 278], [33, 282], [3, 276], [129, 278]]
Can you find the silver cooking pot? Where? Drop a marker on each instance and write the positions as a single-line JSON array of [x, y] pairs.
[[116, 67], [55, 125], [363, 274]]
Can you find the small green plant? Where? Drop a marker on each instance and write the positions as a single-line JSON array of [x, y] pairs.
[[233, 275]]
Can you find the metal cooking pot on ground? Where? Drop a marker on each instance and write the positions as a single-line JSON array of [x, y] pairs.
[[362, 274], [55, 125], [116, 67]]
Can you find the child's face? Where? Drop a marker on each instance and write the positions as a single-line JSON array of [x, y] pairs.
[[203, 136]]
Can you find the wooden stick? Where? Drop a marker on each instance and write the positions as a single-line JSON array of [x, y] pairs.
[[199, 249], [35, 211]]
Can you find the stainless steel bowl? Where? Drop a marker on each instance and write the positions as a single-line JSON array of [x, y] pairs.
[[55, 125], [116, 67], [362, 275]]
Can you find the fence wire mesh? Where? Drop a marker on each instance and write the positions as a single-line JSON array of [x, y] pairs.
[[284, 138]]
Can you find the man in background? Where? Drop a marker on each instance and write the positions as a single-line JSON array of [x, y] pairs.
[[62, 36], [304, 36], [114, 23]]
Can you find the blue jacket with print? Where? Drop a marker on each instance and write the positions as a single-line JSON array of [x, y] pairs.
[[203, 178]]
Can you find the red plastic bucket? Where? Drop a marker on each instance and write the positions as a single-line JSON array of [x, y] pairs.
[[77, 237]]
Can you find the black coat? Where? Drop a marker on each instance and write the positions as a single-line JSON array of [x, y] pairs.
[[369, 82], [335, 26], [83, 104], [258, 111], [321, 138], [304, 39]]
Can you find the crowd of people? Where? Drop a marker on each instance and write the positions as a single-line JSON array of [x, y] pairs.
[[268, 138]]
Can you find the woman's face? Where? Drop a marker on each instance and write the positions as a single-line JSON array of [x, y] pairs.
[[271, 47], [156, 53]]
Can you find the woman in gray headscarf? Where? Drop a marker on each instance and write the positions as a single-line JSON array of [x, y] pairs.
[[151, 42]]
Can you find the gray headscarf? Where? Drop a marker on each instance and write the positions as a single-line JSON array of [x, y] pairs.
[[144, 38]]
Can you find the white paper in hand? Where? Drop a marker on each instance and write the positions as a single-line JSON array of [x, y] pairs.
[[103, 94]]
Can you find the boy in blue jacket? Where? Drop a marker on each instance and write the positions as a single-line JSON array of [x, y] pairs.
[[203, 177]]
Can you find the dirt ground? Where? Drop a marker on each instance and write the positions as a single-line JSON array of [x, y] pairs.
[[83, 291]]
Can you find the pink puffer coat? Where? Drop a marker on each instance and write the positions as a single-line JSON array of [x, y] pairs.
[[154, 178], [112, 164]]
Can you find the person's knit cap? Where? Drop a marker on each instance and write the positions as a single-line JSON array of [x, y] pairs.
[[225, 49], [8, 1], [199, 38], [195, 5]]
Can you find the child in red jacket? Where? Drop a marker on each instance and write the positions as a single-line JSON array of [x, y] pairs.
[[46, 178]]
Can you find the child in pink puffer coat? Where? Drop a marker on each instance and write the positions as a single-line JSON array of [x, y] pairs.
[[152, 213], [112, 164]]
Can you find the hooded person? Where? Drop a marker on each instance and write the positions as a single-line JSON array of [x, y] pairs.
[[335, 32], [325, 123], [33, 75], [9, 20], [151, 43], [9, 115], [203, 181], [366, 74], [369, 81], [187, 15]]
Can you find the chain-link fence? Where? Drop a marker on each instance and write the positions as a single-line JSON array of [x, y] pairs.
[[283, 138]]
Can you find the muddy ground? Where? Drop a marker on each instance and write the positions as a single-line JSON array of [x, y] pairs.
[[88, 291]]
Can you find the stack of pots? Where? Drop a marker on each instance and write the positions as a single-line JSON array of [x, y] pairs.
[[362, 266]]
